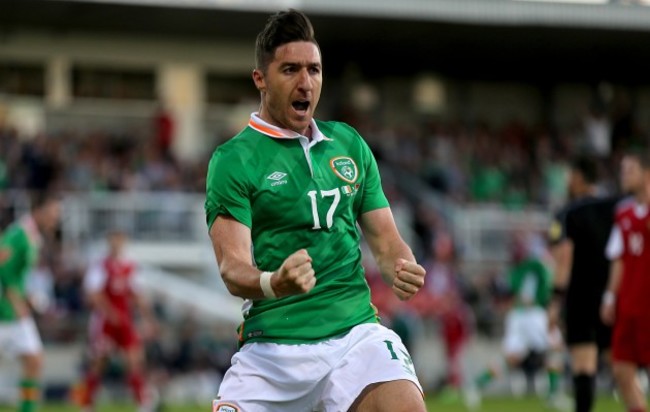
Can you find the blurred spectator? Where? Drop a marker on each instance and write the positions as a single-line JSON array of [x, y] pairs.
[[515, 165], [598, 133], [443, 299], [164, 129]]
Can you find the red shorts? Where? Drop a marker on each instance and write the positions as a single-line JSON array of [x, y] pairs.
[[455, 331], [631, 340], [106, 337]]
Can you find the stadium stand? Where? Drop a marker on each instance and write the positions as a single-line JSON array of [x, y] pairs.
[[473, 110]]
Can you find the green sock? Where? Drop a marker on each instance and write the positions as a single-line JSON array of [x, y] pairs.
[[29, 395], [553, 381], [484, 378]]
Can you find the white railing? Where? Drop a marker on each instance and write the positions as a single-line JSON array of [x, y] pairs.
[[169, 228], [485, 231], [149, 216], [482, 231]]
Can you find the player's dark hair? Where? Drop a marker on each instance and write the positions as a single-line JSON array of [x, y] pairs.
[[587, 167], [281, 28], [641, 155], [41, 198]]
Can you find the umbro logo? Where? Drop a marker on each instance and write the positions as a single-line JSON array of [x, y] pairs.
[[276, 176]]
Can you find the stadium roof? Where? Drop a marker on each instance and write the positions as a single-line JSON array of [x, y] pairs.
[[554, 13], [513, 40]]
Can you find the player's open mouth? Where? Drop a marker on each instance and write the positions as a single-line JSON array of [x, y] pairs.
[[300, 106]]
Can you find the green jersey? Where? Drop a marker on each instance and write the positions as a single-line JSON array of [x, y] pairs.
[[294, 193], [530, 283], [22, 240]]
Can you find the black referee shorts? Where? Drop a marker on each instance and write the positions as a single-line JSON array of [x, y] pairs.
[[582, 318]]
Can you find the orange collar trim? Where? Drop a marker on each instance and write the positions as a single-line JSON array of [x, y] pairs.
[[276, 132]]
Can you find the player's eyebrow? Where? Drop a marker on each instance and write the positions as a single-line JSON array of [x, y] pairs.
[[300, 64]]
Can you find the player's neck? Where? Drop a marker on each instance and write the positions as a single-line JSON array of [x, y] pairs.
[[264, 115], [641, 197], [588, 191]]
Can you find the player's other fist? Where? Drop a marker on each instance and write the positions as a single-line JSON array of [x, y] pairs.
[[409, 278], [295, 276]]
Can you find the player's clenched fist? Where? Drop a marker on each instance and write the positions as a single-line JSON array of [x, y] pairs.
[[295, 276], [409, 278]]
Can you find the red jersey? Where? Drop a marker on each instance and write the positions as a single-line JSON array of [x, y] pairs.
[[114, 277], [630, 242]]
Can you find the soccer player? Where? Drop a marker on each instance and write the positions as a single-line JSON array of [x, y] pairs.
[[20, 244], [113, 291], [578, 236], [526, 338], [626, 303], [284, 197]]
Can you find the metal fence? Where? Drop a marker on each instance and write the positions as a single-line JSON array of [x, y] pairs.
[[162, 222]]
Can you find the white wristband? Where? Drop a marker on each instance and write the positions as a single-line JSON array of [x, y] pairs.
[[265, 284], [609, 298]]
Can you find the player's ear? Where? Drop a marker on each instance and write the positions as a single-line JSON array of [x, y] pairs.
[[258, 79]]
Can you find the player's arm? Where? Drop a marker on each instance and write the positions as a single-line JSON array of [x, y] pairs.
[[231, 241], [100, 303], [18, 302], [561, 251], [11, 270], [394, 257], [94, 283], [614, 251], [562, 255], [608, 305]]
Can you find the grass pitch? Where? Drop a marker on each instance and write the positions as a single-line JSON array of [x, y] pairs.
[[527, 404]]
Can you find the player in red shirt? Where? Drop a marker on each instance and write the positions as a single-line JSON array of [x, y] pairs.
[[113, 292], [626, 303], [441, 298]]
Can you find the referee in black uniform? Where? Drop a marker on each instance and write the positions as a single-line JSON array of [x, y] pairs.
[[578, 239]]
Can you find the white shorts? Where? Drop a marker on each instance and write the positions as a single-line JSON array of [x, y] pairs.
[[526, 330], [326, 376], [20, 338]]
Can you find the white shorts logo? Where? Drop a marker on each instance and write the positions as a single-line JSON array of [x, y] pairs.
[[223, 407]]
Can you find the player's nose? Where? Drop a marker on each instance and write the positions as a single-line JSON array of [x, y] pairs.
[[305, 82]]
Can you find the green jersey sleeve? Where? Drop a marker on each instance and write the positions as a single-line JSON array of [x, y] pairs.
[[12, 270], [373, 194], [226, 190]]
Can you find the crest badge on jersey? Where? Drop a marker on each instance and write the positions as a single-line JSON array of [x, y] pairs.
[[218, 406], [345, 168]]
